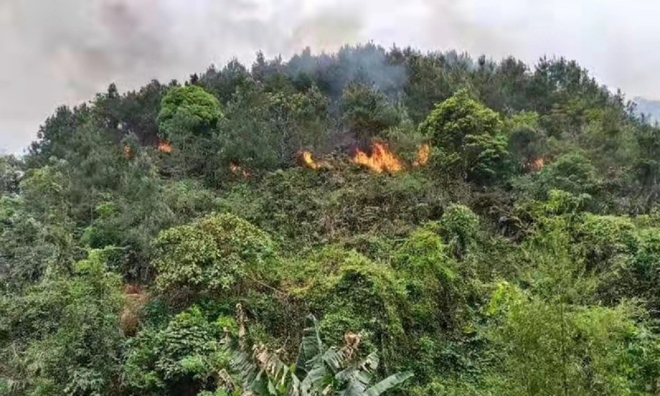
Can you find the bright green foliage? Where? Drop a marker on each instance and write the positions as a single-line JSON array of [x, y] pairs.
[[576, 350], [45, 192], [460, 227], [431, 278], [188, 120], [185, 355], [605, 239], [35, 228], [469, 136], [64, 335], [505, 295], [213, 254], [355, 293], [186, 111], [562, 202], [572, 173], [636, 272], [438, 297], [554, 267], [645, 261]]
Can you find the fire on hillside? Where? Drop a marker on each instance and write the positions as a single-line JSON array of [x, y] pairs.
[[164, 146], [378, 158]]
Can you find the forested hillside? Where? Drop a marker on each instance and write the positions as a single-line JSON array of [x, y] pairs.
[[357, 223]]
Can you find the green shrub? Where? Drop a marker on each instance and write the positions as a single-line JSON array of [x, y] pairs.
[[213, 254]]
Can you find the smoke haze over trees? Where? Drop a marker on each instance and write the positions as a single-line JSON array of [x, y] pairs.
[[89, 44]]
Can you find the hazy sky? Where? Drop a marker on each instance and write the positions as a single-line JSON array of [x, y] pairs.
[[54, 52]]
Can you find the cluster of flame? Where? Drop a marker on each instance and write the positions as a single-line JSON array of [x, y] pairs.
[[382, 159], [423, 153], [238, 171], [309, 162], [534, 165], [539, 163], [164, 146]]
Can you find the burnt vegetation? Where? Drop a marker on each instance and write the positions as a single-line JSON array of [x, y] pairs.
[[355, 223]]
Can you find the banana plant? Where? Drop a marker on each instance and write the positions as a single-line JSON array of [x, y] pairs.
[[318, 371]]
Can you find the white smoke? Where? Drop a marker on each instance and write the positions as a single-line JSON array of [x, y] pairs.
[[56, 52]]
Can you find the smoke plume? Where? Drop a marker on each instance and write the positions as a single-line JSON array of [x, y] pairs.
[[64, 51]]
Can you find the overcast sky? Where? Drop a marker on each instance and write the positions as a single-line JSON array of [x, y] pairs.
[[56, 52]]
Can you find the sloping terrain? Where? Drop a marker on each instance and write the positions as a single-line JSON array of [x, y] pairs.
[[356, 223]]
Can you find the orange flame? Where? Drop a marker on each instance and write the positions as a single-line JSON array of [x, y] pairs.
[[308, 161], [238, 171], [164, 146], [536, 165], [423, 154], [381, 159]]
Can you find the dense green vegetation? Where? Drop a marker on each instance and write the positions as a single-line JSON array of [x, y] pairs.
[[171, 241]]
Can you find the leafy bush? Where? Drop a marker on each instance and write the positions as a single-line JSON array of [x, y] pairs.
[[185, 354], [581, 350], [75, 319], [469, 136], [460, 227], [213, 254], [187, 110]]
